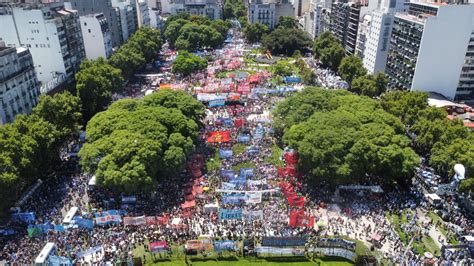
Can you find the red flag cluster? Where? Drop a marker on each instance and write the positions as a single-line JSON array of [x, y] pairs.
[[219, 137], [298, 218], [291, 159], [239, 122], [289, 191]]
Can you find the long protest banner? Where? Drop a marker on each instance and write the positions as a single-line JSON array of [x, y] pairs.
[[226, 214], [108, 219], [204, 244], [253, 197], [26, 217], [233, 198], [280, 251], [140, 220], [158, 246], [295, 241], [225, 245]]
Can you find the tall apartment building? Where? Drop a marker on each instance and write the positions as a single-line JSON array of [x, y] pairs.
[[89, 7], [432, 49], [269, 12], [19, 87], [208, 8], [345, 24], [96, 35], [317, 19], [53, 36], [374, 34]]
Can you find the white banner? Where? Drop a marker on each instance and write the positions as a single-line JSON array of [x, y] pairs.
[[337, 252], [245, 191], [252, 215], [253, 197]]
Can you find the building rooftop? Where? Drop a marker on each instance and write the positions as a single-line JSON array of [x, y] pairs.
[[420, 19]]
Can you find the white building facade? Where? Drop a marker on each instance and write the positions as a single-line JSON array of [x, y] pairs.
[[53, 36], [441, 54], [19, 87], [97, 36], [374, 34], [269, 12]]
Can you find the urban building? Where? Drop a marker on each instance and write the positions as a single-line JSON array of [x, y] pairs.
[[269, 12], [143, 13], [19, 87], [432, 49], [317, 19], [90, 7], [208, 8], [301, 7], [155, 18], [374, 34], [96, 35], [127, 17], [345, 23], [53, 35]]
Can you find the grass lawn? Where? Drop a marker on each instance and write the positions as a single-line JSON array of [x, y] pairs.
[[213, 163], [452, 237], [238, 148], [229, 260], [237, 167], [275, 158]]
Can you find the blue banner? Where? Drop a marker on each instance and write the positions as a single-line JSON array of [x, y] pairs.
[[225, 154], [89, 251], [57, 260], [289, 79], [27, 217], [84, 223], [233, 198], [246, 172], [225, 245], [295, 241], [215, 103], [243, 139], [253, 150], [7, 232], [107, 213], [226, 185], [225, 214], [59, 228], [129, 199], [227, 173]]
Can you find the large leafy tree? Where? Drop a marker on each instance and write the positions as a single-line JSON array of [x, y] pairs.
[[405, 104], [344, 138], [370, 85], [136, 143], [287, 22], [286, 41], [96, 82], [187, 63], [193, 32], [63, 110], [255, 31], [351, 67], [327, 49]]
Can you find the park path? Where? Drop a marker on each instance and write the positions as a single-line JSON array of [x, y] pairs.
[[433, 232]]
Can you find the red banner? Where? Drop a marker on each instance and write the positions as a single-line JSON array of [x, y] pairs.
[[162, 220], [140, 220], [239, 122], [300, 219], [150, 220], [157, 246], [296, 201], [188, 204], [219, 137]]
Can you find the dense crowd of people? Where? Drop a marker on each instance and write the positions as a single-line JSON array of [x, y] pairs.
[[361, 215]]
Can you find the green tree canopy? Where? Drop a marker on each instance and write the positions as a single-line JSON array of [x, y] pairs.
[[187, 63], [136, 143], [286, 41], [370, 85], [255, 31], [287, 22], [351, 67], [343, 138], [96, 82]]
